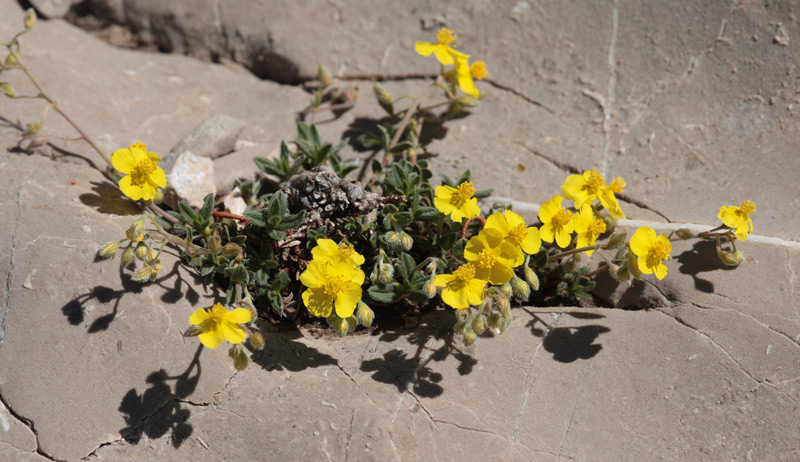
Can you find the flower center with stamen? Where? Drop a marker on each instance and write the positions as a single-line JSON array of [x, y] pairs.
[[465, 273], [445, 36], [617, 185], [748, 207], [595, 182], [463, 193], [334, 285], [597, 227], [561, 218], [217, 314], [140, 173], [660, 251], [517, 234], [486, 259], [346, 250], [478, 70]]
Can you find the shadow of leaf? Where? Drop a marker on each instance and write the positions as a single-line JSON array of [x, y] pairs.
[[568, 344], [109, 200]]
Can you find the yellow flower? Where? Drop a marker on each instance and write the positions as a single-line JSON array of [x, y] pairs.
[[462, 288], [738, 218], [143, 176], [590, 186], [465, 73], [217, 323], [457, 202], [335, 284], [617, 185], [492, 256], [557, 222], [442, 50], [327, 250], [651, 250], [588, 227], [512, 227]]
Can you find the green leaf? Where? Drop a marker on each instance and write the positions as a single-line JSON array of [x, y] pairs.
[[403, 218], [382, 294], [408, 264], [425, 213], [208, 206], [401, 147], [188, 214]]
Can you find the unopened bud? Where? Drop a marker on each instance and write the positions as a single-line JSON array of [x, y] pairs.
[[479, 325], [502, 303], [394, 241], [342, 325], [429, 289], [11, 59], [109, 249], [494, 320], [468, 101], [214, 244], [469, 337], [684, 233], [616, 241], [155, 269], [257, 341], [152, 257], [230, 250], [384, 98], [730, 258], [127, 257], [507, 289], [240, 359], [159, 197], [30, 18], [324, 76], [406, 241], [382, 273], [431, 268], [453, 110], [521, 288], [507, 317], [364, 315], [142, 250], [192, 331], [143, 275], [633, 265], [8, 90], [134, 233], [620, 273], [531, 278], [460, 328]]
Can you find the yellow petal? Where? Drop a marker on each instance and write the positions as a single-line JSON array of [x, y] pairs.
[[642, 240], [131, 190], [325, 250], [123, 160], [563, 237], [442, 280], [546, 232], [199, 316], [317, 302], [347, 300], [532, 242], [159, 178], [314, 275], [212, 338], [154, 157], [232, 333], [444, 54], [239, 316], [499, 222], [425, 48], [661, 270]]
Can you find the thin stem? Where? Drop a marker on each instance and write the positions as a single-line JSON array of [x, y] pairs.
[[602, 266], [406, 119], [574, 251]]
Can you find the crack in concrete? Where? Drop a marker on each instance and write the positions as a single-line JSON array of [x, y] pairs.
[[582, 389], [529, 383], [30, 424], [13, 254], [608, 107], [358, 387], [747, 315], [349, 435]]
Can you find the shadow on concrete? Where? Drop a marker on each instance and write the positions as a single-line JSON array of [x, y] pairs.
[[568, 344], [75, 309], [701, 258], [158, 409], [108, 199], [282, 352], [413, 372]]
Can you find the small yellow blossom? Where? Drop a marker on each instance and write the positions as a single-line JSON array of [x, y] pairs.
[[617, 185], [332, 285], [461, 289], [465, 74], [143, 175], [738, 218], [650, 251], [513, 229], [327, 250], [557, 222], [478, 70], [457, 202], [492, 256], [590, 186], [217, 323], [588, 227], [442, 50]]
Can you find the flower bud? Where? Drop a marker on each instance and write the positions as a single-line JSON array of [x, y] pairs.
[[616, 241], [109, 249], [730, 258], [152, 257], [214, 244], [431, 268], [192, 331], [429, 289], [620, 273], [342, 325], [684, 233], [479, 325], [493, 320], [143, 275], [382, 274], [240, 359], [127, 257], [257, 341], [507, 317], [134, 233], [159, 197], [393, 240], [469, 337], [155, 269], [324, 76], [507, 289], [633, 265], [502, 303], [11, 59], [521, 288], [532, 278], [230, 250], [460, 328], [142, 250], [406, 241], [30, 18], [384, 98], [364, 315], [468, 101], [8, 90]]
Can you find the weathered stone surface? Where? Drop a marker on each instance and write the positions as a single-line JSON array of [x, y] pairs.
[[239, 165], [214, 137], [53, 8], [191, 179], [14, 432], [234, 203]]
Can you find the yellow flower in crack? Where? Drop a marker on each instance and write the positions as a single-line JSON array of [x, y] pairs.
[[590, 186], [457, 202], [557, 222], [327, 250], [650, 251], [513, 229], [738, 218], [442, 49], [465, 74], [143, 176], [217, 323], [588, 227], [332, 285], [492, 256], [461, 289]]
